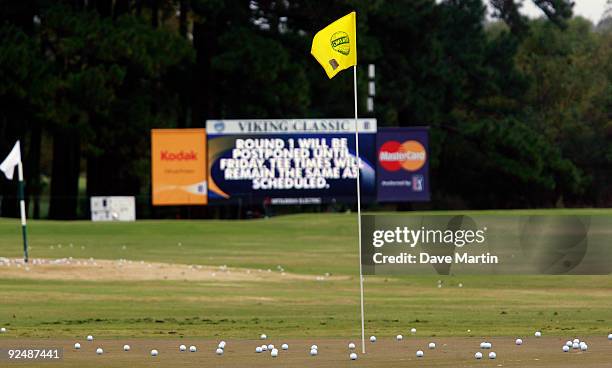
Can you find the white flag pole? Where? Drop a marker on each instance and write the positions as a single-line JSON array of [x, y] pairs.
[[359, 209], [22, 209]]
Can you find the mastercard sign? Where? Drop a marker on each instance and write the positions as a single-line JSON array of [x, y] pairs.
[[409, 155], [403, 169]]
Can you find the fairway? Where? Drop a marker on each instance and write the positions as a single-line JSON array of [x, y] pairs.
[[290, 277]]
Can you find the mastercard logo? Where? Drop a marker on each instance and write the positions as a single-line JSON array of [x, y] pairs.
[[410, 155]]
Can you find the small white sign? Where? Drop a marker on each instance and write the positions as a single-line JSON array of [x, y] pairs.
[[113, 208]]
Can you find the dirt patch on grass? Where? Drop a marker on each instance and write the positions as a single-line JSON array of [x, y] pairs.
[[128, 270]]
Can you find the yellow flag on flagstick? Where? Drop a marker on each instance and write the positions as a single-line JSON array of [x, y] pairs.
[[335, 46]]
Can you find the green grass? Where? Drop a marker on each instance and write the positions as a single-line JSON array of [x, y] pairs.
[[307, 244]]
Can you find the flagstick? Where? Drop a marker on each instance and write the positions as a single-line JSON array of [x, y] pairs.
[[24, 231], [359, 208]]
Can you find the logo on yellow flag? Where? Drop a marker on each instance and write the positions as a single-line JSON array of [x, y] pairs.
[[332, 48]]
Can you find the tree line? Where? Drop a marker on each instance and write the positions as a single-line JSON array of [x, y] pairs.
[[519, 109]]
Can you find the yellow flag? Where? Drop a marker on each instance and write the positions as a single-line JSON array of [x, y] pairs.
[[335, 46]]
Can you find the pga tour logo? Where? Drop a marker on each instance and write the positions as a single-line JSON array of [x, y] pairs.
[[409, 155], [418, 183]]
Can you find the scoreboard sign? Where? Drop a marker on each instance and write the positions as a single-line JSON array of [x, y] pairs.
[[290, 161]]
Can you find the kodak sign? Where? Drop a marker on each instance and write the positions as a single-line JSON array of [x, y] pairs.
[[178, 167]]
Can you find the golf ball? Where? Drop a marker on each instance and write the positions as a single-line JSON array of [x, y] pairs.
[[263, 336], [89, 338], [270, 347], [285, 347], [576, 341], [419, 353], [77, 346], [478, 355], [264, 348], [351, 345], [372, 338], [99, 351], [314, 347], [575, 345], [399, 337], [126, 348], [432, 345], [182, 348], [154, 353], [313, 352], [353, 356], [219, 351], [258, 349], [3, 329], [492, 355], [538, 334], [193, 349], [222, 344], [274, 353], [569, 344], [519, 341], [566, 348], [413, 330], [610, 336], [584, 347]]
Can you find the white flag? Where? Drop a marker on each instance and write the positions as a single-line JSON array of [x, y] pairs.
[[13, 159]]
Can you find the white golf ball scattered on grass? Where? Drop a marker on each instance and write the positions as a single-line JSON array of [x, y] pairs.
[[575, 346], [154, 353], [270, 347], [372, 338], [519, 341], [314, 352], [353, 356], [566, 348], [89, 338], [258, 349], [610, 336], [182, 348], [274, 353], [219, 351], [99, 351], [263, 336], [432, 345], [285, 346], [413, 330], [576, 341], [569, 344], [3, 330], [538, 334], [264, 348], [478, 355], [193, 349], [584, 347], [419, 353], [351, 345], [222, 345], [492, 355], [314, 347], [126, 348], [77, 346]]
